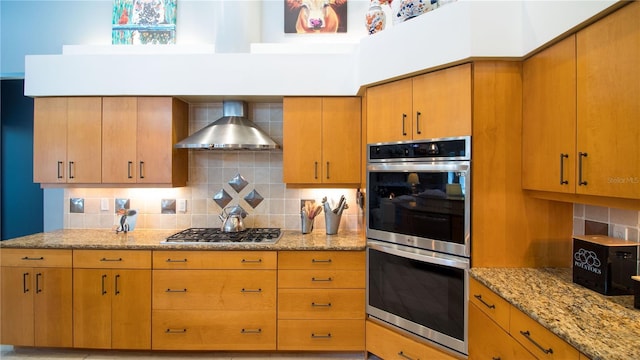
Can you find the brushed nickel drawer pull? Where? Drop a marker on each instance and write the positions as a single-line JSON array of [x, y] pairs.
[[580, 180], [562, 180], [141, 170], [527, 335], [175, 331], [403, 355], [30, 258], [103, 289], [176, 261], [251, 290], [320, 261], [105, 259], [245, 261], [60, 163], [251, 331], [176, 291], [495, 358], [321, 279], [418, 113], [129, 164], [321, 336], [404, 117], [71, 166], [479, 297], [117, 291], [327, 170], [314, 304]]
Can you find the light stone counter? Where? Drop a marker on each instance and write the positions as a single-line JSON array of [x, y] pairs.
[[601, 327], [152, 240]]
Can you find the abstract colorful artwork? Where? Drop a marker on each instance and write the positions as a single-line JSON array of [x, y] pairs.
[[144, 22], [315, 16]]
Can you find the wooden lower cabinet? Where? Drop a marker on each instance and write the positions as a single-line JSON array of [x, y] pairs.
[[388, 345], [112, 299], [321, 300], [538, 340], [214, 300], [35, 298]]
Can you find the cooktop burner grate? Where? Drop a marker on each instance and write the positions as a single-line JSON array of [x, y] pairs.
[[215, 235]]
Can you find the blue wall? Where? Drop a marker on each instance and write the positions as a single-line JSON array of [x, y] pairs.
[[21, 199]]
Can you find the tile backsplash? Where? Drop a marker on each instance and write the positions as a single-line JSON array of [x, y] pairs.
[[589, 219], [212, 172]]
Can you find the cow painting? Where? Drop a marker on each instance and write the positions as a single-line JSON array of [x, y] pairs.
[[315, 16]]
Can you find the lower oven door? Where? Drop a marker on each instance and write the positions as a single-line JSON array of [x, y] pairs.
[[420, 291]]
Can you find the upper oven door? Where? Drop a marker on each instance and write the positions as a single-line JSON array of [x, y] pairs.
[[420, 204]]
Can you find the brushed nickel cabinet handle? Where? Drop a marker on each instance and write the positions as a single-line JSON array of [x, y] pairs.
[[176, 291], [405, 356], [321, 279], [38, 289], [60, 166], [107, 259], [327, 170], [527, 335], [176, 261], [418, 113], [404, 118], [117, 291], [320, 261], [314, 304], [250, 261], [175, 331], [129, 165], [104, 277], [251, 290], [141, 169], [71, 166], [315, 170], [25, 289], [251, 331], [562, 180], [321, 336], [479, 297], [30, 258], [581, 155]]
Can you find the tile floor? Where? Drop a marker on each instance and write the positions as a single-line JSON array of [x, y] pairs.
[[22, 353]]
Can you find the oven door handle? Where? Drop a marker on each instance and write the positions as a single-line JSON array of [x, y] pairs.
[[420, 255]]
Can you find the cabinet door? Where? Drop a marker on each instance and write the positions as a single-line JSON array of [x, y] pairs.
[[609, 105], [442, 103], [49, 140], [389, 112], [119, 128], [341, 140], [52, 307], [154, 140], [302, 147], [92, 289], [16, 306], [84, 140], [549, 119], [131, 309], [488, 341]]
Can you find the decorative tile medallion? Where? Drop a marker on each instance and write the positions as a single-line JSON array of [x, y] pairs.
[[253, 198], [238, 183], [222, 198]]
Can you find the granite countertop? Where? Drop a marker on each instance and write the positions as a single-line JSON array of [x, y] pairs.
[[601, 327], [152, 240]]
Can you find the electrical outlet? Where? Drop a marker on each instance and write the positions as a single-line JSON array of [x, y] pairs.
[[182, 205], [104, 204], [619, 232]]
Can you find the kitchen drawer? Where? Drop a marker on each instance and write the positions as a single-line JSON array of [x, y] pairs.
[[213, 330], [259, 260], [112, 259], [321, 335], [388, 344], [539, 341], [321, 304], [35, 257], [496, 308], [487, 340], [214, 289], [321, 279], [322, 260]]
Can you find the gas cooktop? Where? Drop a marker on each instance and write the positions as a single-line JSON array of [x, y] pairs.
[[215, 235]]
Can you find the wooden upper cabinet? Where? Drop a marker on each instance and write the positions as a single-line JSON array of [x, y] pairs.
[[608, 110], [138, 136], [67, 138], [433, 105], [442, 103], [549, 119], [321, 140]]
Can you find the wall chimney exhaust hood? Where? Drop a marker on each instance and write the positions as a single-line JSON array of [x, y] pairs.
[[233, 131]]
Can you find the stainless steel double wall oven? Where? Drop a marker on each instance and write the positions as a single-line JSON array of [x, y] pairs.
[[418, 237]]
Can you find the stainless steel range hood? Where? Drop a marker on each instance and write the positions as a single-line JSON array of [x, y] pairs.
[[233, 131]]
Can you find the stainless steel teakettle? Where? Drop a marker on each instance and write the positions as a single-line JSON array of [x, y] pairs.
[[232, 219]]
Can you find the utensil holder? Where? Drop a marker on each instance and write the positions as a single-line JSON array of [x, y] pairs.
[[307, 224], [332, 222]]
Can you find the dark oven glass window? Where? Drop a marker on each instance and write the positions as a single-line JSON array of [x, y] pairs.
[[424, 204], [427, 294]]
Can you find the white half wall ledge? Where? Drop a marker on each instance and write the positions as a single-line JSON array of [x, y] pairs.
[[462, 30]]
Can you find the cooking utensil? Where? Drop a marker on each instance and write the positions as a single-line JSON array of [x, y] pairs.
[[232, 220]]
